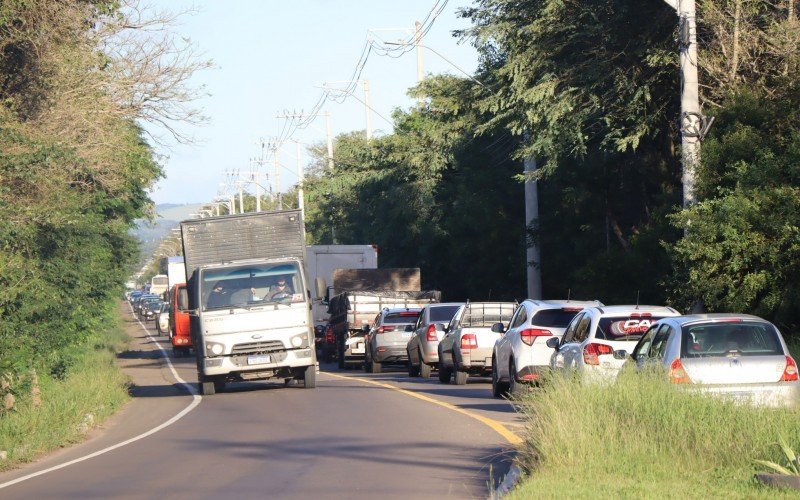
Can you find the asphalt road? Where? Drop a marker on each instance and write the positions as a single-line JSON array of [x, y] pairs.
[[355, 435]]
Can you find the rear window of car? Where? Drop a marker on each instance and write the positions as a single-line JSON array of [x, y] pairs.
[[554, 318], [718, 340], [401, 317], [627, 327], [443, 313], [482, 319]]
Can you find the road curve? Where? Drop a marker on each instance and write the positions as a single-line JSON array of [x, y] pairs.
[[347, 438]]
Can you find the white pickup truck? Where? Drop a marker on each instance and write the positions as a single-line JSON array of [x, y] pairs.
[[466, 348]]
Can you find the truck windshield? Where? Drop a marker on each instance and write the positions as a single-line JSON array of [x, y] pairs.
[[251, 284]]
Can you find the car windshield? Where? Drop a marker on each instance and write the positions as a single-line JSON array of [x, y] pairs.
[[628, 327], [249, 285], [401, 317], [553, 318], [443, 314], [730, 339]]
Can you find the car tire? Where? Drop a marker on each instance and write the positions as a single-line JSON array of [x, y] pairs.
[[515, 388], [413, 370], [424, 369], [499, 389], [219, 385], [459, 377], [340, 355], [310, 377], [375, 366]]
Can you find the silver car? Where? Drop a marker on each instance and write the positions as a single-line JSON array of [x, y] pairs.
[[388, 337], [738, 356], [423, 348], [466, 349]]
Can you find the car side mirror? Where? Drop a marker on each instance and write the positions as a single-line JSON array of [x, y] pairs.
[[441, 326], [365, 328], [621, 354], [498, 328], [409, 328], [552, 342]]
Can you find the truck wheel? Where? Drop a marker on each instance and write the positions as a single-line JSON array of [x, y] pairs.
[[444, 374], [206, 388], [310, 377], [219, 385], [340, 354], [424, 369], [375, 366], [459, 377]]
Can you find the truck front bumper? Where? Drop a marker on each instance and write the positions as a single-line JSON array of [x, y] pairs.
[[254, 367]]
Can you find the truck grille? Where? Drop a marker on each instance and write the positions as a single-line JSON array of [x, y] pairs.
[[254, 348]]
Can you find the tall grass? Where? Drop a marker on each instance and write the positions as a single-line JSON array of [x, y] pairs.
[[643, 436], [93, 389]]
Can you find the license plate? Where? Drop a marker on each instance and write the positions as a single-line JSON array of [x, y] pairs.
[[257, 360], [406, 335]]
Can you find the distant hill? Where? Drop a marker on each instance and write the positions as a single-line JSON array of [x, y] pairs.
[[150, 234]]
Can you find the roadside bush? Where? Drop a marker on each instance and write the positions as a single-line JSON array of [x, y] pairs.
[[644, 436]]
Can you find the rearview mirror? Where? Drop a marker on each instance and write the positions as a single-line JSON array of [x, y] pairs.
[[552, 343], [498, 328], [320, 287]]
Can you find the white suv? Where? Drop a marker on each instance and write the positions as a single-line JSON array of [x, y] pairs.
[[521, 354], [594, 334]]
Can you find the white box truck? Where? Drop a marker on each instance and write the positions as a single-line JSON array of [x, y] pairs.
[[176, 271], [323, 260], [248, 298]]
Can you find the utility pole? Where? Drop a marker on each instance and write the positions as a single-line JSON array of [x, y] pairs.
[[693, 124], [418, 44], [301, 203], [367, 108], [327, 116], [276, 166], [532, 254], [330, 139]]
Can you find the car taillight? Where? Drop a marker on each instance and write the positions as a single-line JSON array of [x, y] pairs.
[[529, 335], [677, 375], [469, 341], [790, 372], [431, 335], [382, 329], [329, 335], [592, 351]]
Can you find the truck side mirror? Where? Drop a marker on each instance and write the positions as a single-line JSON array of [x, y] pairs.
[[320, 287]]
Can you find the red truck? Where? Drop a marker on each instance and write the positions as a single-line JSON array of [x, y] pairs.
[[179, 331]]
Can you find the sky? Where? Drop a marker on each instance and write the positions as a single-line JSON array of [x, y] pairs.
[[269, 58]]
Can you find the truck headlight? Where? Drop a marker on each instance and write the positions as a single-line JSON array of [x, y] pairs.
[[214, 349], [297, 341]]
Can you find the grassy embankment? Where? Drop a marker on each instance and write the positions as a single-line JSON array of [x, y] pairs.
[[644, 437], [93, 389]]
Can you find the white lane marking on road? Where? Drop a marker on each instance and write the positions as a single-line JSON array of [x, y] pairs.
[[196, 398]]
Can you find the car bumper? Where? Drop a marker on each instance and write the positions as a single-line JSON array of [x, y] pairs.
[[391, 354], [778, 395], [430, 352], [474, 359]]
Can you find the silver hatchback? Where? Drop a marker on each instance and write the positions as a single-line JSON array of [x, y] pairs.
[[738, 356], [387, 339]]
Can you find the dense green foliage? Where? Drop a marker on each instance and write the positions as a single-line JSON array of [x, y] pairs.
[[74, 175]]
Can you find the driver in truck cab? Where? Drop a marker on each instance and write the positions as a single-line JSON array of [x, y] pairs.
[[279, 290]]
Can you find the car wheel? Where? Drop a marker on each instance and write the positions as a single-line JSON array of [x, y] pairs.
[[424, 369], [514, 387], [219, 385], [413, 370], [459, 377], [340, 355], [499, 389], [375, 366], [310, 377], [206, 387]]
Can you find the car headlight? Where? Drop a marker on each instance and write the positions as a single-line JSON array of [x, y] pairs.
[[214, 349], [297, 341]]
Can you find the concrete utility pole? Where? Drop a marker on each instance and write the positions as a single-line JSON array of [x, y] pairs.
[[276, 166], [367, 108], [327, 116], [418, 44], [301, 203], [693, 124], [532, 255]]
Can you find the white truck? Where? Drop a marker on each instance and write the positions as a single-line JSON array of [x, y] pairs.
[[159, 284], [323, 260], [248, 298], [176, 270]]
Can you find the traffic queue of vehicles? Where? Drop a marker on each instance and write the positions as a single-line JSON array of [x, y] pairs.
[[740, 356]]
